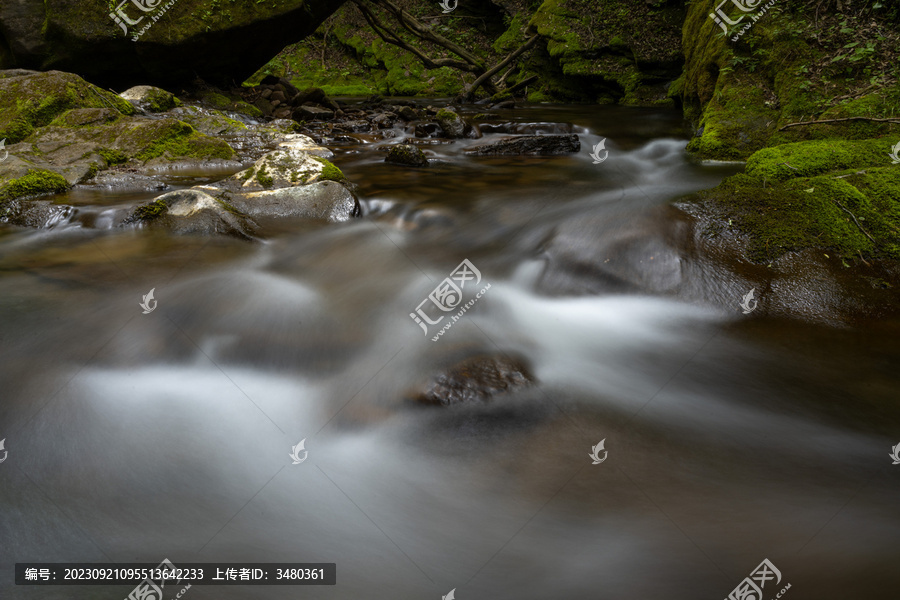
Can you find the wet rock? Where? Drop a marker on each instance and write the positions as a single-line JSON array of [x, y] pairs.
[[298, 141], [286, 167], [505, 104], [543, 145], [151, 99], [312, 113], [427, 130], [323, 200], [451, 124], [314, 96], [354, 126], [40, 214], [406, 113], [193, 211], [128, 180], [383, 120], [476, 379], [406, 154]]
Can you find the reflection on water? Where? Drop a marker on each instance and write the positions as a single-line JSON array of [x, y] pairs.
[[137, 437]]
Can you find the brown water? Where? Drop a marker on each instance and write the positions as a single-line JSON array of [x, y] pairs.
[[136, 437]]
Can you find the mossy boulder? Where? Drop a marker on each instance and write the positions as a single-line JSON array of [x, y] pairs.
[[35, 182], [286, 167], [32, 100], [451, 124], [151, 99], [193, 211], [407, 155], [843, 200], [153, 41]]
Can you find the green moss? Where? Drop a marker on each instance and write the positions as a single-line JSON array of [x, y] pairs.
[[329, 170], [180, 140], [35, 182], [264, 178], [148, 212], [804, 159], [826, 211], [29, 102], [111, 156]]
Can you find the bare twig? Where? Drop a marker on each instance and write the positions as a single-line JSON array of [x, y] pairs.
[[841, 206], [782, 128]]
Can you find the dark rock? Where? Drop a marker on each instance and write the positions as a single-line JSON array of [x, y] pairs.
[[313, 96], [355, 126], [266, 93], [312, 113], [543, 145], [288, 88], [221, 47], [279, 96], [264, 105], [476, 379], [269, 80], [406, 154], [407, 113], [283, 113], [427, 130], [384, 120], [451, 123]]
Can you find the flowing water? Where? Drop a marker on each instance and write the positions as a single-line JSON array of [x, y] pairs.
[[731, 439]]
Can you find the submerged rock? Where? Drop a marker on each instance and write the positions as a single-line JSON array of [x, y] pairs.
[[406, 154], [476, 379], [544, 145]]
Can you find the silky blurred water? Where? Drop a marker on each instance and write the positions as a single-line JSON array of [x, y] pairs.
[[136, 437]]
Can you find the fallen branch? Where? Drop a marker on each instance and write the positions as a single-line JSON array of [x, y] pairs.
[[484, 77], [838, 121], [521, 84], [841, 206], [385, 34]]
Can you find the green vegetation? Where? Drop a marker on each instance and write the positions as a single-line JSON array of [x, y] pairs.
[[329, 170], [27, 103], [35, 182]]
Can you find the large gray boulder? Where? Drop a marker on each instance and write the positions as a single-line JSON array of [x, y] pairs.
[[111, 44]]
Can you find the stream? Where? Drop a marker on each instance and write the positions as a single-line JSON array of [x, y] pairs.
[[730, 438]]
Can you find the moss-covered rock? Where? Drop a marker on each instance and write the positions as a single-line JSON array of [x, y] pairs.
[[193, 211], [30, 101], [406, 154], [828, 197], [36, 182], [151, 99]]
